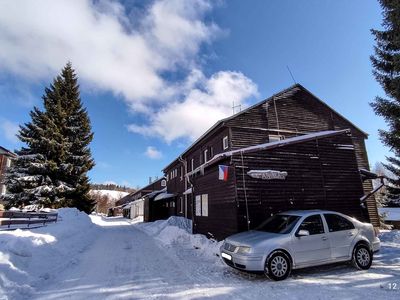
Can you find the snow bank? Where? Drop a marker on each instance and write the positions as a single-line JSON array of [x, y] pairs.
[[30, 258], [176, 231]]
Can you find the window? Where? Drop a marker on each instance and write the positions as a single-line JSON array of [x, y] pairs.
[[275, 138], [198, 205], [205, 155], [192, 164], [181, 173], [8, 162], [201, 203], [313, 224], [204, 205], [279, 224], [211, 152], [167, 177], [163, 182], [337, 223], [225, 144], [3, 189]]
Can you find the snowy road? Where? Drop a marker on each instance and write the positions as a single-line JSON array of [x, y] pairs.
[[124, 262]]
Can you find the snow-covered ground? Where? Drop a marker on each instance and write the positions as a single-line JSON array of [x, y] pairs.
[[113, 258]]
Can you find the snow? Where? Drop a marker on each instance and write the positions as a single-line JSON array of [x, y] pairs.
[[113, 195], [390, 213], [82, 257]]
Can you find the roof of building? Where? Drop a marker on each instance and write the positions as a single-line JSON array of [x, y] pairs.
[[4, 151], [222, 121]]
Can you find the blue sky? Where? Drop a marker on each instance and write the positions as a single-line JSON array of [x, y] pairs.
[[155, 75]]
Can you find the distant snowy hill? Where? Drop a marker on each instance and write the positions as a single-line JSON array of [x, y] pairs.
[[112, 195]]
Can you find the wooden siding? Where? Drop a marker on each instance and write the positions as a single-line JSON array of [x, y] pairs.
[[296, 112], [222, 215], [321, 175]]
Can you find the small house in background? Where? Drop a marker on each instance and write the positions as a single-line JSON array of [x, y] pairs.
[[391, 216], [140, 202], [6, 157]]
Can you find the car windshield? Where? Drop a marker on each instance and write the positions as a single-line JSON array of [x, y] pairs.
[[279, 224]]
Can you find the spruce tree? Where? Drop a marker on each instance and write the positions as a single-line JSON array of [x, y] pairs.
[[52, 169], [386, 63]]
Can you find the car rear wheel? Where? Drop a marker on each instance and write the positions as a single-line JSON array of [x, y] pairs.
[[362, 257], [277, 266]]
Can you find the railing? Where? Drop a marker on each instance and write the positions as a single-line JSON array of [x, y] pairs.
[[8, 218]]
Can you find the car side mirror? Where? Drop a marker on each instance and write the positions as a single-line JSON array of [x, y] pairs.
[[303, 232]]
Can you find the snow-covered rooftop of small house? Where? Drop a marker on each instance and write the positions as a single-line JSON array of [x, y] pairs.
[[271, 145], [390, 213]]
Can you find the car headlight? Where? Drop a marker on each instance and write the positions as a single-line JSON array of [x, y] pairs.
[[243, 249]]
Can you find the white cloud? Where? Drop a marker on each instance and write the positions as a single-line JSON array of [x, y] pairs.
[[153, 153], [113, 51], [9, 130], [38, 37], [200, 108]]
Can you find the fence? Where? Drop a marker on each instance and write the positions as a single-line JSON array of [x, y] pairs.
[[8, 218]]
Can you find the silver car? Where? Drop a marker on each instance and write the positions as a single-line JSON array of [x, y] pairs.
[[299, 239]]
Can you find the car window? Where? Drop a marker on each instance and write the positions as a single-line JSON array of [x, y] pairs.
[[338, 223], [313, 224], [279, 224]]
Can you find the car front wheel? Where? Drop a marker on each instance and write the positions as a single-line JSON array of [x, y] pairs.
[[278, 266], [362, 257]]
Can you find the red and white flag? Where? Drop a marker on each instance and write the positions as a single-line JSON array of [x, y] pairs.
[[223, 172]]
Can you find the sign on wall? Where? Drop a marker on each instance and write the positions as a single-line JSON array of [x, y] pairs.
[[267, 174]]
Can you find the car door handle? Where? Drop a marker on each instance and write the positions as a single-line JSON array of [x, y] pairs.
[[324, 238]]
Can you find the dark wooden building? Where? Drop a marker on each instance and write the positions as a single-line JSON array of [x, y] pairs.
[[313, 171], [290, 113]]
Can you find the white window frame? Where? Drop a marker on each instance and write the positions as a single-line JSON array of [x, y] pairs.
[[8, 162], [204, 205], [164, 183], [225, 142], [198, 205], [181, 173], [201, 205], [192, 164]]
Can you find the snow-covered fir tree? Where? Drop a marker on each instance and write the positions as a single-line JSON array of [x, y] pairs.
[[386, 63], [52, 168]]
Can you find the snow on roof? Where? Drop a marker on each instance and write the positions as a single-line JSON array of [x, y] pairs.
[[163, 196], [7, 152], [271, 145], [390, 213]]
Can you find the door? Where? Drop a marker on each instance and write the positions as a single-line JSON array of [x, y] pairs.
[[313, 248], [341, 235]]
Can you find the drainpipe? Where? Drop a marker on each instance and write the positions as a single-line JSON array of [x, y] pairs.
[[187, 180]]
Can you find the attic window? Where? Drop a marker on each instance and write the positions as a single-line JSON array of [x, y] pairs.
[[225, 144], [275, 138]]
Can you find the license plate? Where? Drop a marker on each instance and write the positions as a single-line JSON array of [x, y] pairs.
[[227, 256]]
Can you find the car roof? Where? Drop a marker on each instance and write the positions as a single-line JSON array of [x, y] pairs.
[[307, 212]]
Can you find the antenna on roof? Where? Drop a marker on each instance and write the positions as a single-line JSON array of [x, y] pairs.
[[233, 107], [290, 72]]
